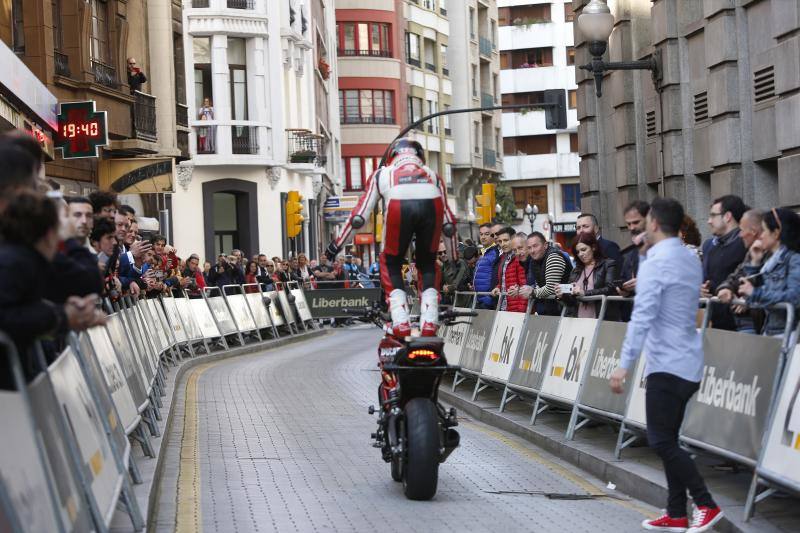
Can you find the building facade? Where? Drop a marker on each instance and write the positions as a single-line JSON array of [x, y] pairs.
[[261, 93], [79, 49], [541, 165], [722, 120], [473, 52]]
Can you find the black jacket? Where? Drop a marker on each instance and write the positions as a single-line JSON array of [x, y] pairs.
[[75, 273], [24, 313], [605, 272], [226, 274], [610, 249], [721, 257]]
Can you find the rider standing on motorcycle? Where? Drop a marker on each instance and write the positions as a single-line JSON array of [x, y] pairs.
[[416, 206]]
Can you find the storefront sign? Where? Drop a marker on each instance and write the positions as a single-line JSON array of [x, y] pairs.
[[564, 227], [136, 176], [338, 208]]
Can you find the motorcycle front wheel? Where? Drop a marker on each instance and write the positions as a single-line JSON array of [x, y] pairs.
[[421, 468]]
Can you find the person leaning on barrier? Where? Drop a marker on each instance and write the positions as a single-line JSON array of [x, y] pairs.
[[778, 280], [750, 227], [197, 281], [594, 275], [546, 267], [29, 229], [510, 274], [486, 269], [663, 328]]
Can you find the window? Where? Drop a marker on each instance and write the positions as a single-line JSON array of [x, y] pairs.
[[448, 175], [474, 80], [201, 47], [18, 27], [357, 170], [429, 4], [477, 138], [237, 65], [414, 108], [530, 145], [531, 195], [472, 23], [570, 55], [572, 99], [524, 15], [412, 49], [99, 38], [364, 39], [573, 142], [366, 106], [433, 124], [433, 162], [571, 197], [430, 55], [527, 58], [58, 34], [569, 13], [445, 69], [533, 97], [354, 181], [446, 120]]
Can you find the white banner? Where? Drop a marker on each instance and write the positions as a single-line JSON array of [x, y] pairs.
[[570, 354], [154, 322], [454, 337], [636, 405], [202, 315], [84, 423], [301, 304], [131, 320], [241, 313], [115, 379], [221, 313], [116, 332], [503, 345], [174, 318], [782, 453], [21, 471], [162, 317], [288, 313], [275, 312], [192, 329], [260, 313], [99, 337]]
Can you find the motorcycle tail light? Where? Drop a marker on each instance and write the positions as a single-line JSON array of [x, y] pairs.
[[423, 354]]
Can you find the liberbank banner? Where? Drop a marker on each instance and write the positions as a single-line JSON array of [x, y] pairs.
[[331, 303]]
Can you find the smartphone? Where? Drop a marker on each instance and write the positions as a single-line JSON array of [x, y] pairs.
[[566, 288], [618, 283]]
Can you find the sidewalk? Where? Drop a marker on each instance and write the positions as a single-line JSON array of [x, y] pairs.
[[638, 473]]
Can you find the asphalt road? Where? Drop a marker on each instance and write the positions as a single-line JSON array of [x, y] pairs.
[[279, 441]]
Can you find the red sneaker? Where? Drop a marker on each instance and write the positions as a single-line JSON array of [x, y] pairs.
[[401, 330], [429, 329], [704, 519], [667, 523]]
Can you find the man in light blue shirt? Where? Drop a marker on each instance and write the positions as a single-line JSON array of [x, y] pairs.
[[663, 327]]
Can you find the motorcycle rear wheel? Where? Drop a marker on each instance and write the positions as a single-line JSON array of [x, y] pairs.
[[397, 469], [421, 468]]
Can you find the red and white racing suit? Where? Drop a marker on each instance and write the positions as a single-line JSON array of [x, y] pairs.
[[416, 206]]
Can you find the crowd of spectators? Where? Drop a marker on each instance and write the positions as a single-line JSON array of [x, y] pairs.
[[750, 262]]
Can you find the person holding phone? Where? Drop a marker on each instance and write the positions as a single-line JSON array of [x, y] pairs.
[[136, 77], [594, 275]]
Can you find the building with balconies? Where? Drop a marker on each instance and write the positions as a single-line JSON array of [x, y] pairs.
[[260, 95], [540, 165], [477, 156]]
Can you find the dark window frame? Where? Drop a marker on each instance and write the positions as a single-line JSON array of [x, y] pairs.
[[388, 112], [571, 201], [385, 37]]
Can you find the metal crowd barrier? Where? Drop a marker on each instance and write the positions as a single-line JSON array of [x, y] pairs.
[[74, 423], [747, 408]]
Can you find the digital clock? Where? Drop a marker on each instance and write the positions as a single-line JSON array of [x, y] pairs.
[[81, 129]]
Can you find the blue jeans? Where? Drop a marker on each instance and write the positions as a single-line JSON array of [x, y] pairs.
[[667, 396]]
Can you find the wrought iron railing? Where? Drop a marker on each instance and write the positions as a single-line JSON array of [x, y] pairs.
[[306, 147], [241, 4], [487, 100], [244, 140], [485, 46], [489, 157], [144, 116], [373, 53], [415, 62], [104, 74], [199, 3], [368, 120], [62, 63], [430, 66], [182, 115], [206, 139]]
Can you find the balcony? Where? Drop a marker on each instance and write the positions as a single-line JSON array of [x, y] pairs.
[[182, 115], [244, 140], [241, 4], [368, 120], [430, 66], [199, 3], [306, 148], [104, 74], [414, 62], [485, 47], [144, 117], [487, 100], [62, 63], [489, 158], [347, 52], [206, 139]]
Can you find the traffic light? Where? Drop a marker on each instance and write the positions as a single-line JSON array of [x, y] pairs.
[[294, 214], [484, 211], [555, 117]]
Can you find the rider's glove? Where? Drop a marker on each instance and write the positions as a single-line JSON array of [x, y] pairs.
[[332, 251]]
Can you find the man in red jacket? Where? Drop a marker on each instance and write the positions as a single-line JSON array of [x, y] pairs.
[[510, 274]]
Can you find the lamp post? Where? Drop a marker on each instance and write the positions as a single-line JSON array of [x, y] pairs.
[[471, 220], [596, 23], [531, 211]]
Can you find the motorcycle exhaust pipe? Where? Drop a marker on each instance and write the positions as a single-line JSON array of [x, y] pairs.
[[451, 442]]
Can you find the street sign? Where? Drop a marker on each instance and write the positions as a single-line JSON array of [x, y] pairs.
[[81, 129], [338, 208]]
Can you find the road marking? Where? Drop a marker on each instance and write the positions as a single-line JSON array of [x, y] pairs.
[[558, 469], [188, 518]]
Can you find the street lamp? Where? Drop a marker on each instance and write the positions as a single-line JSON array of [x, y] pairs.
[[471, 220], [531, 211], [596, 23]]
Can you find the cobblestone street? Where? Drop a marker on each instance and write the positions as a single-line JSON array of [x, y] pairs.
[[279, 441]]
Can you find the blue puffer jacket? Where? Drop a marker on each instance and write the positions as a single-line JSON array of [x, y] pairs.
[[781, 283], [485, 277]]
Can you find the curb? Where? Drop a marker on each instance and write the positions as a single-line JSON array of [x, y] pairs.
[[180, 386], [626, 478]]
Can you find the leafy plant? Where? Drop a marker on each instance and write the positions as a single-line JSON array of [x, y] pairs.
[[508, 210]]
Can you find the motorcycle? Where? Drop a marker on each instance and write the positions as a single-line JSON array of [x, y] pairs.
[[415, 432]]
